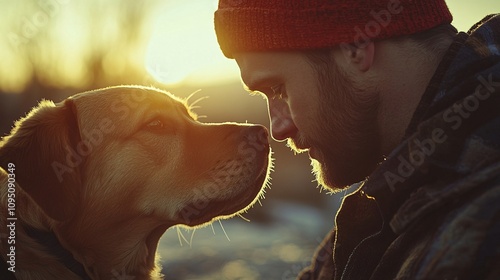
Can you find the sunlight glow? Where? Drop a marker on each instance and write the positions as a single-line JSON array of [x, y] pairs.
[[183, 46], [88, 44], [466, 14]]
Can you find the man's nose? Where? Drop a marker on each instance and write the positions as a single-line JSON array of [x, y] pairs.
[[282, 125]]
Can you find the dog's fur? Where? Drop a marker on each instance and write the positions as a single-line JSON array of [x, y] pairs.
[[108, 171]]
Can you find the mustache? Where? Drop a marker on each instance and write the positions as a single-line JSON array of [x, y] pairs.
[[298, 144]]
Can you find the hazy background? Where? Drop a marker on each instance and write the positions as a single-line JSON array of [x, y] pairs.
[[54, 48]]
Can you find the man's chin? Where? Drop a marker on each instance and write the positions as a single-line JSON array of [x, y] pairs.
[[325, 179]]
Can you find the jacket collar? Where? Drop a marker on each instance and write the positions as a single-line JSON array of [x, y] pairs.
[[446, 153]]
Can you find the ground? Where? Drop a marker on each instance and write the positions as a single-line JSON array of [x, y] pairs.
[[277, 249]]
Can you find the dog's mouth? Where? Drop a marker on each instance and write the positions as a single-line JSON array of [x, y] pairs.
[[234, 186]]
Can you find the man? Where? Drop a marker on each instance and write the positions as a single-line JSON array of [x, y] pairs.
[[388, 93]]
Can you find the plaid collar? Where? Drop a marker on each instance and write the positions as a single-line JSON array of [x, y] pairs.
[[445, 143]]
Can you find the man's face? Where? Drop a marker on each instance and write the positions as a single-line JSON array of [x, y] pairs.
[[319, 111]]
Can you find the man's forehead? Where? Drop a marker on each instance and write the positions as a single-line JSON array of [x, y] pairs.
[[263, 68]]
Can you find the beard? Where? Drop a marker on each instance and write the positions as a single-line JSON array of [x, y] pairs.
[[344, 135]]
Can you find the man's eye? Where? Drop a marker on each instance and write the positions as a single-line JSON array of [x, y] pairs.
[[278, 92]]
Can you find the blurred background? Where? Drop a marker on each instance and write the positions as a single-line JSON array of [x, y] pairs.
[[51, 49]]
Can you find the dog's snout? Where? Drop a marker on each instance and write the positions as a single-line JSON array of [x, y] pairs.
[[257, 133]]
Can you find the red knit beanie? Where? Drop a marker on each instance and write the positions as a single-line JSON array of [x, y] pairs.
[[281, 25]]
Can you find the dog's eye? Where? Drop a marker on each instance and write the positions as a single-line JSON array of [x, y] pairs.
[[155, 126]]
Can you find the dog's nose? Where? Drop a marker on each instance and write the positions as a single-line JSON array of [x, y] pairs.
[[257, 134], [260, 130]]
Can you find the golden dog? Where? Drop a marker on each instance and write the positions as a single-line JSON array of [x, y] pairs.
[[89, 185]]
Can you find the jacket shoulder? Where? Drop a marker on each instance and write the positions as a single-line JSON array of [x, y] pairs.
[[467, 244]]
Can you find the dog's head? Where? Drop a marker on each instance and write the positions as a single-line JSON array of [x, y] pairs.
[[135, 152]]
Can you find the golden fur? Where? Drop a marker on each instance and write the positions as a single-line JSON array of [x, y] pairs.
[[109, 171]]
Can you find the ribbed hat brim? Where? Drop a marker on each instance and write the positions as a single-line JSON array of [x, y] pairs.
[[241, 29]]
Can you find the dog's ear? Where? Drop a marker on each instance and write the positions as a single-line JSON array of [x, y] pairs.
[[42, 145]]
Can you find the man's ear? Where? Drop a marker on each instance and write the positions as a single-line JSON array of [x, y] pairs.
[[41, 146], [360, 57]]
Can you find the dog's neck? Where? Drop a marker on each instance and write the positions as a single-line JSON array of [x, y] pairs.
[[107, 258], [105, 251], [50, 241], [120, 249], [28, 249]]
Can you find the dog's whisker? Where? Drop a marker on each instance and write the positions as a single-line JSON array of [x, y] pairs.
[[243, 218], [213, 229], [223, 230], [192, 105], [191, 95], [181, 235], [191, 239]]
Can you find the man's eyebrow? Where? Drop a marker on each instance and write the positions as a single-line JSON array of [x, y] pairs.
[[259, 84]]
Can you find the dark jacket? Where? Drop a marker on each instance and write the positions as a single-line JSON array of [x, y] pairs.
[[431, 210]]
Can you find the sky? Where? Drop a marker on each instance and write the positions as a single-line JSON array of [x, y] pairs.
[[178, 43], [184, 38]]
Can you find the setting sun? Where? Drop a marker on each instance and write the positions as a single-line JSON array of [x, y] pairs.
[[72, 44], [183, 46]]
